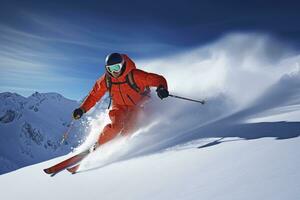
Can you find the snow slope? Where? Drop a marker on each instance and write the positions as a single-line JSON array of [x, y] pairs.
[[243, 144], [235, 169]]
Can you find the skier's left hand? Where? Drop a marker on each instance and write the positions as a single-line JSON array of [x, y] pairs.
[[162, 92], [77, 113]]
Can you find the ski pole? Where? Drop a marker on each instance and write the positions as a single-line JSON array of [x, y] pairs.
[[66, 134], [179, 97]]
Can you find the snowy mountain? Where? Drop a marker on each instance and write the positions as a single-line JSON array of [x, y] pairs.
[[31, 128]]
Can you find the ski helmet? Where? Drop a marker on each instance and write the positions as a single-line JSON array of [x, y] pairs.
[[113, 58], [114, 64]]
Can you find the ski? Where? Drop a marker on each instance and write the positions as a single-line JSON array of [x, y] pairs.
[[73, 170], [53, 170]]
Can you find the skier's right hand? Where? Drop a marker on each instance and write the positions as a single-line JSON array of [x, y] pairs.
[[77, 113], [162, 92]]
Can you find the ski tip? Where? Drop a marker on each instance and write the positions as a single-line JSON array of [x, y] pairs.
[[47, 171]]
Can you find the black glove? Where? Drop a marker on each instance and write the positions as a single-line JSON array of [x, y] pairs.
[[162, 92], [77, 113]]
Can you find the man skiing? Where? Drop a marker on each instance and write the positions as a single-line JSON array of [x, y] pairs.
[[128, 88]]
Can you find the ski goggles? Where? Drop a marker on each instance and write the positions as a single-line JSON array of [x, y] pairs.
[[114, 68]]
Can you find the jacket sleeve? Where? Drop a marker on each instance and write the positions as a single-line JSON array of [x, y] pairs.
[[150, 79], [95, 94]]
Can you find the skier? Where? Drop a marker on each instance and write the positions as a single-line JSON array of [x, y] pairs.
[[128, 89]]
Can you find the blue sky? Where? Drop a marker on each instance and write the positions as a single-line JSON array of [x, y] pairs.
[[60, 46]]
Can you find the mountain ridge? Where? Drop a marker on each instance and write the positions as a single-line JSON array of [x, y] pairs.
[[31, 128]]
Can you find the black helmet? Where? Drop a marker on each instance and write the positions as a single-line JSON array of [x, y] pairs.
[[113, 58]]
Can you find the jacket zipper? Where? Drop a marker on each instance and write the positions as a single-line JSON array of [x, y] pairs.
[[131, 99], [121, 95]]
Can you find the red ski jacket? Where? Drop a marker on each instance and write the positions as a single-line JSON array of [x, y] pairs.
[[121, 92]]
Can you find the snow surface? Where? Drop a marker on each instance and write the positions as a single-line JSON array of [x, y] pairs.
[[235, 169], [243, 144]]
